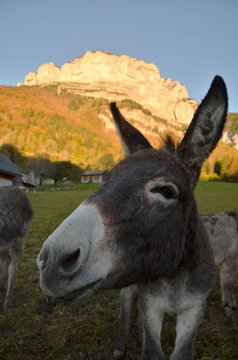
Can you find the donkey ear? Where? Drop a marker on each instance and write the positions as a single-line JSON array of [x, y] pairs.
[[205, 129], [132, 140]]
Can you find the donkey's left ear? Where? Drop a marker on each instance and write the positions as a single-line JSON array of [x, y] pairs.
[[205, 129], [132, 140]]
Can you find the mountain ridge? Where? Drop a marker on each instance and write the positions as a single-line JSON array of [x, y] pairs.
[[116, 77]]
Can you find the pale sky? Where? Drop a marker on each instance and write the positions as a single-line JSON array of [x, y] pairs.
[[188, 40]]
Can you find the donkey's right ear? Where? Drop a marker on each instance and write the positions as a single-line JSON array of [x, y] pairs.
[[205, 129], [131, 138]]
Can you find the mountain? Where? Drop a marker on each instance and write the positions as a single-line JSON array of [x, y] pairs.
[[63, 113], [100, 74]]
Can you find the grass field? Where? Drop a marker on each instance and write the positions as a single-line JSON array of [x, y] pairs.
[[86, 329]]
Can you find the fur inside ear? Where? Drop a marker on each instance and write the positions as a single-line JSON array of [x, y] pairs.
[[205, 129], [131, 138]]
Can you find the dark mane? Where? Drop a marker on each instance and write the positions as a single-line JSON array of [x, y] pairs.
[[169, 142]]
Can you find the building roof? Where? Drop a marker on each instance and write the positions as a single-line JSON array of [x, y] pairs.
[[7, 166], [28, 180], [93, 172], [24, 180]]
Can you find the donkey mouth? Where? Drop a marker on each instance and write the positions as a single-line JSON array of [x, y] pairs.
[[81, 292]]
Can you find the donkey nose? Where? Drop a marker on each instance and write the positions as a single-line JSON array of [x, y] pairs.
[[70, 262]]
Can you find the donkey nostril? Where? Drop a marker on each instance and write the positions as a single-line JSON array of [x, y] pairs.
[[43, 257], [70, 260], [40, 257]]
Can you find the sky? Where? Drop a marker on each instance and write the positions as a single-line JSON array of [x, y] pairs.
[[188, 40]]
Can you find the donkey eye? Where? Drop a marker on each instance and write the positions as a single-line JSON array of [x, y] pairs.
[[160, 190], [167, 191]]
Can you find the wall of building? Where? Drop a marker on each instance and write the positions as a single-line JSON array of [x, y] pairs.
[[91, 178], [5, 182]]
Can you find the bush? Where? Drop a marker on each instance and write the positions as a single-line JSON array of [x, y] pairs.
[[75, 104]]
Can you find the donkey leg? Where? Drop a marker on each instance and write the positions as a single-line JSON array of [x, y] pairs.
[[4, 262], [128, 298], [228, 272], [187, 323], [12, 269], [151, 317]]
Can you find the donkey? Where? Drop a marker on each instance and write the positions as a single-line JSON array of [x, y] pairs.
[[15, 218], [142, 227], [223, 235]]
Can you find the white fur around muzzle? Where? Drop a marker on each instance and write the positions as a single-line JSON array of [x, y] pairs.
[[82, 231]]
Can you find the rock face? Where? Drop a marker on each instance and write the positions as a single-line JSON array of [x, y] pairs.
[[100, 74], [229, 139]]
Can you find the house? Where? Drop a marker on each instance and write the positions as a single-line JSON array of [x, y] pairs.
[[94, 176], [26, 181], [8, 171]]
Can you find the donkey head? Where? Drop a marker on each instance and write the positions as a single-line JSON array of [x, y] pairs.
[[141, 224]]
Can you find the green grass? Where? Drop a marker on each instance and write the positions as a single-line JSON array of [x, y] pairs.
[[86, 329], [214, 197]]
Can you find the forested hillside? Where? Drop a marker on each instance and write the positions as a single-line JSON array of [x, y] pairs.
[[39, 122]]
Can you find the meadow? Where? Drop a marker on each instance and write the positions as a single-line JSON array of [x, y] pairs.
[[85, 329]]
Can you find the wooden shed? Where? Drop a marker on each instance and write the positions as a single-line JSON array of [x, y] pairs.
[[94, 176], [26, 181]]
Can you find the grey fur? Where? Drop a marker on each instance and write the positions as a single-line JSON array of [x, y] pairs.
[[142, 227], [15, 218], [223, 235]]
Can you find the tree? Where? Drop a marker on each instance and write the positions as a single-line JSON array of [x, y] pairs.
[[61, 170], [217, 168], [234, 170], [11, 151], [57, 171], [41, 168], [107, 161], [208, 167], [74, 173]]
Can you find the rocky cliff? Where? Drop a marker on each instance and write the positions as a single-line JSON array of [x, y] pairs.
[[100, 74]]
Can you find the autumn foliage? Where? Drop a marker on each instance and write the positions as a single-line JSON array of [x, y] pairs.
[[39, 122]]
